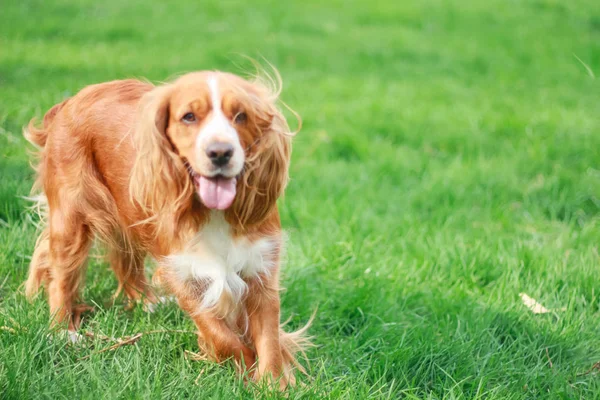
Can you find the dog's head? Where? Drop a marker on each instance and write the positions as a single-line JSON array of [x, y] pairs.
[[214, 134]]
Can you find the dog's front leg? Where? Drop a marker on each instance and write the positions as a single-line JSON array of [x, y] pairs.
[[263, 308], [216, 338]]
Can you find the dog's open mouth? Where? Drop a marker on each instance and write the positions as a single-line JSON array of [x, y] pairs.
[[216, 192]]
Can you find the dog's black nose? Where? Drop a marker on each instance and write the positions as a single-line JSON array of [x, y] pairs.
[[219, 153]]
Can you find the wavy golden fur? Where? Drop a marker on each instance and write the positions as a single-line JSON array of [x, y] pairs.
[[161, 183], [118, 162]]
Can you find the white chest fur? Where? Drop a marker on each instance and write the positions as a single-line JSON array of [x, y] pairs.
[[221, 261]]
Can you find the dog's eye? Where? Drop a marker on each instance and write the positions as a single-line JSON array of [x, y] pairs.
[[240, 118], [189, 117]]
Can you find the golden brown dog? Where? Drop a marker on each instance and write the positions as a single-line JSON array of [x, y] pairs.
[[189, 173]]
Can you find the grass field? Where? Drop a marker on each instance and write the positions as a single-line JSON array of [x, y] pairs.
[[448, 162]]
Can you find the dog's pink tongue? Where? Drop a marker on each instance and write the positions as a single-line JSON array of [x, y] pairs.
[[217, 192]]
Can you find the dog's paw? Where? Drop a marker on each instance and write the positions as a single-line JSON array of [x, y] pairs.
[[71, 337], [276, 378], [152, 307], [74, 337]]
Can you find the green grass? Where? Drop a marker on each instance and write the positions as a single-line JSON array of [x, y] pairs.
[[448, 162]]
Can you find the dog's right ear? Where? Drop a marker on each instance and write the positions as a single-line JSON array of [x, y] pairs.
[[153, 111], [159, 181]]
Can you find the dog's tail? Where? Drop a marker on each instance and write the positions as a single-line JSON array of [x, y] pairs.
[[296, 342], [38, 136]]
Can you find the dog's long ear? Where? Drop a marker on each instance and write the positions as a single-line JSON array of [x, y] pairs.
[[267, 162], [159, 183]]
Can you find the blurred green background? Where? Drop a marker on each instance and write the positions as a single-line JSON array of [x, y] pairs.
[[448, 162]]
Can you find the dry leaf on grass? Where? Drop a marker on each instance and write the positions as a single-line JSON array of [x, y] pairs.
[[536, 307], [533, 305]]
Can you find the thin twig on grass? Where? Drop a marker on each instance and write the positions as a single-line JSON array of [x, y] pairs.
[[4, 282], [596, 366], [199, 376], [549, 359], [93, 335], [127, 341], [130, 340], [195, 356]]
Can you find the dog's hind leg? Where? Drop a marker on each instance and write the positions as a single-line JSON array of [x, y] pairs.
[[38, 268], [128, 266], [69, 240]]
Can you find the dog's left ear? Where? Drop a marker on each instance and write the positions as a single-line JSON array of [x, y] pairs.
[[159, 181], [266, 173]]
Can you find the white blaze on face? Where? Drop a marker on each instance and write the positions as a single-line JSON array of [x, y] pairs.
[[219, 129], [217, 184]]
